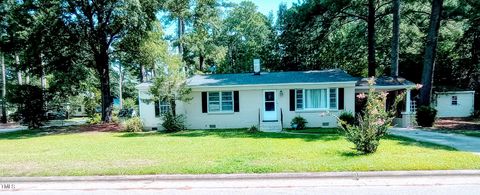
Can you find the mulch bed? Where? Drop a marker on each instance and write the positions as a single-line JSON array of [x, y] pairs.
[[458, 124], [9, 125], [108, 127]]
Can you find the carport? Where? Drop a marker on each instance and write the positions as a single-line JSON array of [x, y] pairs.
[[394, 86]]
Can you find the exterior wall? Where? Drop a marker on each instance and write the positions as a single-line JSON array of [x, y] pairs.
[[147, 111], [464, 108], [250, 103], [251, 106]]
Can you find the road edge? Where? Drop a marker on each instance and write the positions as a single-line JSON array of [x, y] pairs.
[[253, 176]]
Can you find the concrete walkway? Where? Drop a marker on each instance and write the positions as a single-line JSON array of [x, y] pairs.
[[457, 141]]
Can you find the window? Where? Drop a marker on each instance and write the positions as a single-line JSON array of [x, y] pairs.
[[161, 107], [333, 98], [454, 100], [164, 107], [314, 99], [299, 99], [220, 101]]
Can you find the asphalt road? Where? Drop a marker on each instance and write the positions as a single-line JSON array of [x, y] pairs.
[[423, 185]]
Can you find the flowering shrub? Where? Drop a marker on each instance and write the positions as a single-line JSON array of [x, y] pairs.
[[374, 123]]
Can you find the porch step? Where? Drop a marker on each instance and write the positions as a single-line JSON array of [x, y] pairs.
[[274, 126]]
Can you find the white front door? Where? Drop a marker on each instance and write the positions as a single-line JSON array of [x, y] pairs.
[[269, 106]]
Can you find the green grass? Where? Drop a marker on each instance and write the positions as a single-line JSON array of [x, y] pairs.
[[32, 153]]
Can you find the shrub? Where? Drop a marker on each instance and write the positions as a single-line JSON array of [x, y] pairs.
[[374, 123], [476, 114], [133, 125], [426, 116], [172, 123], [95, 119], [29, 100], [253, 129], [347, 117], [298, 123]]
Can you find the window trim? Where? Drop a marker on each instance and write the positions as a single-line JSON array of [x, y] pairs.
[[220, 102], [316, 109]]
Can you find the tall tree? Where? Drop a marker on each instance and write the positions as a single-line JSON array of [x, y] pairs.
[[202, 41], [430, 52], [376, 10], [395, 38], [179, 10], [4, 90], [99, 24], [246, 33]]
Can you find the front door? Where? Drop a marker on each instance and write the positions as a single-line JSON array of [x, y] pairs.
[[269, 106]]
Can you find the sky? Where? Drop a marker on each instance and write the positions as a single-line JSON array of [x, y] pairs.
[[266, 6]]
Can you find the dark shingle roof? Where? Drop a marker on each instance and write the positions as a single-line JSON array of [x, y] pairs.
[[386, 81], [317, 76]]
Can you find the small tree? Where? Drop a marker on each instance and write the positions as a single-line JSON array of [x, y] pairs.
[[29, 100], [374, 123], [170, 85]]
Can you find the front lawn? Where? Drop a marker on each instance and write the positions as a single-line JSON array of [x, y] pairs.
[[29, 153]]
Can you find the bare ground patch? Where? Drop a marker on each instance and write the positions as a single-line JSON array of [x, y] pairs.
[[458, 124]]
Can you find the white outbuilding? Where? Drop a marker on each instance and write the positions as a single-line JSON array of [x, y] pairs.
[[454, 103]]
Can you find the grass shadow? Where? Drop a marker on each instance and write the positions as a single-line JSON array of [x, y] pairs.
[[238, 133], [412, 142]]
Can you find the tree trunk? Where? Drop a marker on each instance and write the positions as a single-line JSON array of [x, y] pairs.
[[104, 73], [142, 74], [181, 31], [27, 78], [120, 85], [19, 72], [43, 82], [4, 91], [395, 38], [476, 64], [173, 107], [372, 64], [430, 52], [201, 62]]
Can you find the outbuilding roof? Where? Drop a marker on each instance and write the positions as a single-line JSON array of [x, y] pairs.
[[269, 78]]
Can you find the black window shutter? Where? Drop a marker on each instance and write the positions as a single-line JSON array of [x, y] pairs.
[[292, 99], [204, 102], [157, 108], [341, 98], [236, 102]]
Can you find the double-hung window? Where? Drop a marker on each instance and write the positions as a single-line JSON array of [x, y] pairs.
[[161, 107], [316, 99], [220, 101]]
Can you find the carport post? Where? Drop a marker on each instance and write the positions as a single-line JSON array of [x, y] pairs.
[[408, 103]]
